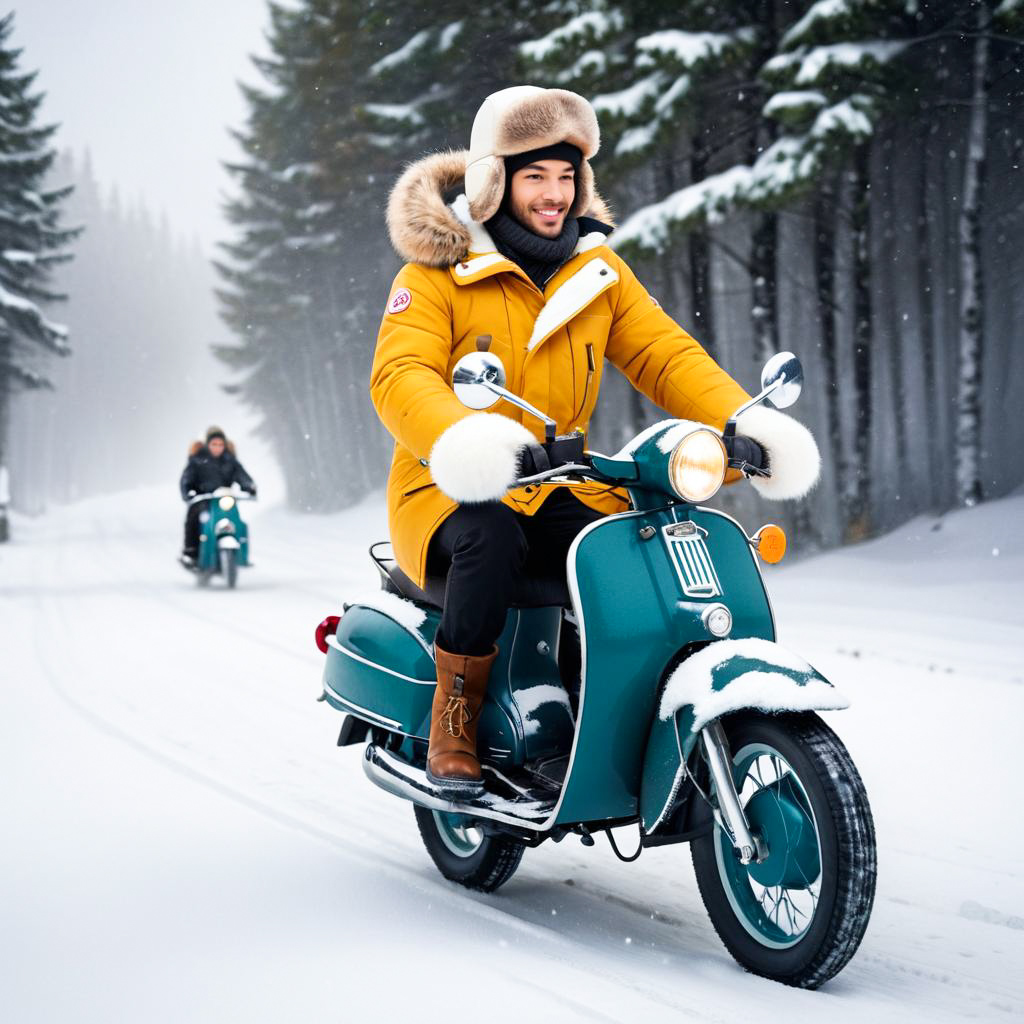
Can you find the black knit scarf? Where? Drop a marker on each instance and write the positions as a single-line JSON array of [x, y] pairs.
[[539, 257]]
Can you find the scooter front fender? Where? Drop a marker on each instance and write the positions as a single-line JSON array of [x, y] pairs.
[[724, 677]]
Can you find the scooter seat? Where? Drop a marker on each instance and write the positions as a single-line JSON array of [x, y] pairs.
[[530, 592]]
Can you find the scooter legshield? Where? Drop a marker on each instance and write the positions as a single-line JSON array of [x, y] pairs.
[[641, 582], [209, 536]]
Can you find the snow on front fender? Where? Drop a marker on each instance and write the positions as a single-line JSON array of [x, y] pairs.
[[725, 676], [730, 675]]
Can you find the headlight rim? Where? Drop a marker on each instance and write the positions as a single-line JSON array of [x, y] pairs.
[[674, 473]]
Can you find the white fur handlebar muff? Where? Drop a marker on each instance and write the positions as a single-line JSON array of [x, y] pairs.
[[793, 458], [477, 458]]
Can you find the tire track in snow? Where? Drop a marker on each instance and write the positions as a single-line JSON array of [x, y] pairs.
[[400, 871]]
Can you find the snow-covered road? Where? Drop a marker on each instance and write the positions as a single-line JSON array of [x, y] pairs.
[[182, 841]]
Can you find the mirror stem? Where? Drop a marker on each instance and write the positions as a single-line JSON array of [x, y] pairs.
[[756, 400]]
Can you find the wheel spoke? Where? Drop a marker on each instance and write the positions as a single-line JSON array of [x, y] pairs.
[[778, 913]]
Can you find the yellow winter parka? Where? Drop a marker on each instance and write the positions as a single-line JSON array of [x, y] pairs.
[[457, 294]]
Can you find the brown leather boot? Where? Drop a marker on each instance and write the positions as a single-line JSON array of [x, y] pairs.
[[452, 763]]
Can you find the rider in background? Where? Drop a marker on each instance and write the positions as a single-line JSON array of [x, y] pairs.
[[210, 466]]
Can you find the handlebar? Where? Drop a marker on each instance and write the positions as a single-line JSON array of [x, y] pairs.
[[237, 495]]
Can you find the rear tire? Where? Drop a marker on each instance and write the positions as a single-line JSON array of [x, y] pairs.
[[229, 567], [463, 854], [798, 917]]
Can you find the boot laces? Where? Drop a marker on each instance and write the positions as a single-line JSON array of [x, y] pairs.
[[455, 717]]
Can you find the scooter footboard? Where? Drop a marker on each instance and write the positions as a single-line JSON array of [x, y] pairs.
[[721, 678]]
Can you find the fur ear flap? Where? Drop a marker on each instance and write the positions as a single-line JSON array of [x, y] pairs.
[[485, 204], [230, 445], [194, 447], [584, 200]]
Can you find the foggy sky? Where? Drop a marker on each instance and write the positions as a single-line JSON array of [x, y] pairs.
[[150, 90]]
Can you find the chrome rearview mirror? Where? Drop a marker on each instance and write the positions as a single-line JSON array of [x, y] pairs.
[[783, 378], [477, 378], [781, 381], [479, 381]]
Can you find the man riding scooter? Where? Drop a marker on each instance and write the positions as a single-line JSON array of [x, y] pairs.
[[210, 466], [517, 265]]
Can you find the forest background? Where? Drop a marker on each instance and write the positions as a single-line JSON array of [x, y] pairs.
[[839, 178]]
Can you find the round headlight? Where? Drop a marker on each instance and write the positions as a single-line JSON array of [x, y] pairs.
[[696, 467], [226, 503]]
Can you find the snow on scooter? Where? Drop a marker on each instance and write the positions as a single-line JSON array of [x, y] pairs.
[[648, 691], [223, 537]]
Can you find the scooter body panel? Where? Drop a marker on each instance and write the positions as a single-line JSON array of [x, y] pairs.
[[639, 596], [383, 672]]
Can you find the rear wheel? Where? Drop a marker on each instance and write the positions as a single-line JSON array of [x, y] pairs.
[[799, 915], [229, 566], [464, 854]]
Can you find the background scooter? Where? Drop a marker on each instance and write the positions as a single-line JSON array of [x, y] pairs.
[[223, 537]]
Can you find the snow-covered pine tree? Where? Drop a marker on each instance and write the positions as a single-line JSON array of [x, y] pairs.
[[31, 238], [310, 252], [665, 82], [429, 87], [988, 24]]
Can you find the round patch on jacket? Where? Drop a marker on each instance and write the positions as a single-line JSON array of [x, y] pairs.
[[400, 301]]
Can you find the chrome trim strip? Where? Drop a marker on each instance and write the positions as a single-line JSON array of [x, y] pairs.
[[332, 641], [365, 712], [518, 726]]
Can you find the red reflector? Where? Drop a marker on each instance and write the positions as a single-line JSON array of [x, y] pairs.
[[326, 628]]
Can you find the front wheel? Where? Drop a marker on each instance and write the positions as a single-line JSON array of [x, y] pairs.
[[799, 914], [229, 566], [464, 854]]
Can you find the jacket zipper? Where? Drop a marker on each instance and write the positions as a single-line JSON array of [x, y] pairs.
[[591, 369]]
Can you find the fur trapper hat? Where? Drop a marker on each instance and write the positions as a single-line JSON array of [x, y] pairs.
[[426, 229], [213, 432], [520, 119]]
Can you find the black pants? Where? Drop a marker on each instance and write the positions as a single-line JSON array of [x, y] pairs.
[[191, 545], [483, 549]]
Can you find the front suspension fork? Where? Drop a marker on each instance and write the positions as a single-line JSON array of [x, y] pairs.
[[729, 812]]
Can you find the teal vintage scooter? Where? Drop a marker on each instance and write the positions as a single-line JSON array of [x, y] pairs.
[[649, 691]]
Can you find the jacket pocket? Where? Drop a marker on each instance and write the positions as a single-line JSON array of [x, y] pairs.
[[416, 490]]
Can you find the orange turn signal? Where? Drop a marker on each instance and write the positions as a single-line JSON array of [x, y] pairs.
[[770, 542]]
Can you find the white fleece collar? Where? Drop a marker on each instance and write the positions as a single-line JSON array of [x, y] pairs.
[[572, 295]]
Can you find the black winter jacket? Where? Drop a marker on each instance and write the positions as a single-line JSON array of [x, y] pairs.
[[205, 474]]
